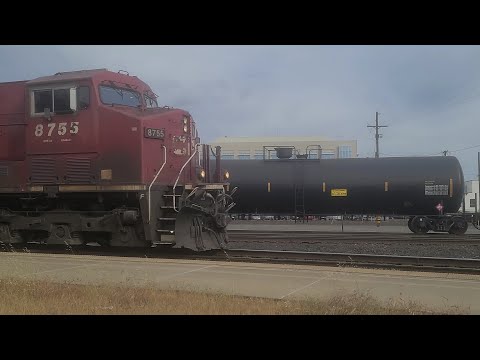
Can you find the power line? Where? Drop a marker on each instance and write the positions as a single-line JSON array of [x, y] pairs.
[[467, 148], [446, 152]]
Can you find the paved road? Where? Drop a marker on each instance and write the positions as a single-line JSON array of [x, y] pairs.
[[263, 280]]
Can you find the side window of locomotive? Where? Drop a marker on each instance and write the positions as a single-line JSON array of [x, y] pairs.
[[83, 97], [118, 96], [42, 100], [58, 101], [61, 101]]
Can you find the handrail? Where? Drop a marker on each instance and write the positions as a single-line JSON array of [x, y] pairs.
[[154, 179], [180, 173]]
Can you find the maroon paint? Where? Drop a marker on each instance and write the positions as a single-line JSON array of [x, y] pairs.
[[109, 137]]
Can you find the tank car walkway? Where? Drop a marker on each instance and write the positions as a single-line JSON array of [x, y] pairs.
[[263, 280]]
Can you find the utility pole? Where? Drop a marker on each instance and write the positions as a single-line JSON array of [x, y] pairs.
[[377, 135]]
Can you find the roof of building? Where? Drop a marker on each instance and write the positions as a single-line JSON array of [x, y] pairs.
[[274, 139]]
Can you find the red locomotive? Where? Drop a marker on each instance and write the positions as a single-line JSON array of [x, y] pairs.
[[89, 156]]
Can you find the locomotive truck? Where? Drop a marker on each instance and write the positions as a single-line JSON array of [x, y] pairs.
[[90, 156]]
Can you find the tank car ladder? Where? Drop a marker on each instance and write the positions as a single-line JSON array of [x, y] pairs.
[[299, 202]]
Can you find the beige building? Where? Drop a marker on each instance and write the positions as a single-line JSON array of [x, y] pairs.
[[314, 147]]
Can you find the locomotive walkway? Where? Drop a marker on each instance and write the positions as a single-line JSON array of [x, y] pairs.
[[262, 280]]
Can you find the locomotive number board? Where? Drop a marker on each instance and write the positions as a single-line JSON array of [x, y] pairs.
[[154, 133]]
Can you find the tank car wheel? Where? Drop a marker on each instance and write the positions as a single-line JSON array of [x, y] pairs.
[[410, 224], [419, 225], [459, 226]]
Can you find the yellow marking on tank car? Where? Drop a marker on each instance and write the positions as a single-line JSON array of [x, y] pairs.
[[323, 186], [386, 185], [338, 192], [268, 186], [451, 187]]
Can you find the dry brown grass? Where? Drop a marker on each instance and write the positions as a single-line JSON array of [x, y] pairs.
[[19, 296]]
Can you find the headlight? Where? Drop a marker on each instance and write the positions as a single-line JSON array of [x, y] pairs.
[[201, 174], [227, 175], [185, 120], [185, 128]]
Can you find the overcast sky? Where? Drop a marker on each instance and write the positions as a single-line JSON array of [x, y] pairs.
[[429, 96]]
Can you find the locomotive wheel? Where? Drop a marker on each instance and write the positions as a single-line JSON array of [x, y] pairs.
[[459, 226], [419, 225]]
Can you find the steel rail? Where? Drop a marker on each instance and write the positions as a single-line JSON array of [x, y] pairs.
[[434, 264]]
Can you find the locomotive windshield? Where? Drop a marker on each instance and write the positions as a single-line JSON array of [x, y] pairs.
[[118, 96], [150, 102]]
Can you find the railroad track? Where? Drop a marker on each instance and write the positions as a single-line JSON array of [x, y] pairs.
[[315, 236], [435, 264], [360, 260]]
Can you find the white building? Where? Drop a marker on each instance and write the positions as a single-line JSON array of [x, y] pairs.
[[471, 188], [314, 147]]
